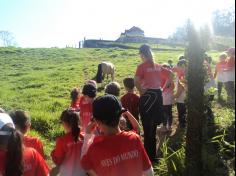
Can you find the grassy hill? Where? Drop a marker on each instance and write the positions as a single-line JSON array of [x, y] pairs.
[[40, 81]]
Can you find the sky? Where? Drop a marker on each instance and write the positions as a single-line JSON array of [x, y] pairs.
[[57, 23]]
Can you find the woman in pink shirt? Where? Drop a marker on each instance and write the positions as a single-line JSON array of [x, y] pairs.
[[148, 82]]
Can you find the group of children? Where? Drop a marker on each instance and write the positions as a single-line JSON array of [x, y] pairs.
[[102, 135]]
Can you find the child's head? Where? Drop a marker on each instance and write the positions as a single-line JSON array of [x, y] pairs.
[[113, 88], [170, 62], [21, 120], [223, 56], [165, 65], [70, 122], [129, 83], [182, 57], [182, 63], [93, 83], [74, 94], [107, 110], [231, 52], [11, 140], [89, 90]]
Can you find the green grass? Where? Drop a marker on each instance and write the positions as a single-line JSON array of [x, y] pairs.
[[40, 81]]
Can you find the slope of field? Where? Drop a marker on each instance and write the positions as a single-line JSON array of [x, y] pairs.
[[40, 80]]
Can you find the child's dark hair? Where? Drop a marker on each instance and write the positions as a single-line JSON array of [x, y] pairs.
[[21, 119], [129, 83], [113, 88], [72, 119], [74, 94], [108, 110], [14, 159]]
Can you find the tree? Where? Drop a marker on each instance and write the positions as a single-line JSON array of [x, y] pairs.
[[180, 35], [7, 38], [195, 104], [205, 37], [223, 22]]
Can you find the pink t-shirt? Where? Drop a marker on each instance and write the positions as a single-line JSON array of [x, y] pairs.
[[149, 76]]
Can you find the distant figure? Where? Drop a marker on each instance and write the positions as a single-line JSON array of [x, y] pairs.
[[75, 99], [170, 63], [105, 68]]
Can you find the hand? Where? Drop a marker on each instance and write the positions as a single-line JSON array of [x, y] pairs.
[[91, 127]]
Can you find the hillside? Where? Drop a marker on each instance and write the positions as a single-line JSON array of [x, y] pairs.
[[40, 80]]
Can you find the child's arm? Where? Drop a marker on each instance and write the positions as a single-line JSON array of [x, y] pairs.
[[180, 89], [132, 120], [168, 81], [215, 73], [138, 86], [88, 138]]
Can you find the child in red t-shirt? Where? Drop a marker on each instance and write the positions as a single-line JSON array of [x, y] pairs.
[[75, 99], [15, 158], [22, 122], [89, 93], [130, 100], [115, 152], [66, 154], [168, 100]]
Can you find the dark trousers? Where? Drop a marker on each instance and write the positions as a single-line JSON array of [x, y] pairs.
[[230, 89], [168, 116], [151, 112], [219, 87], [182, 112]]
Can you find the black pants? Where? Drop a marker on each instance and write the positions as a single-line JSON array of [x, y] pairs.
[[168, 117], [151, 112], [230, 88], [182, 112], [219, 87]]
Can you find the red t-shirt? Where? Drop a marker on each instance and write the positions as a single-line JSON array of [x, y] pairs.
[[179, 71], [35, 143], [86, 113], [221, 66], [231, 63], [122, 154], [75, 105], [67, 155], [130, 101], [164, 78], [34, 164], [150, 77]]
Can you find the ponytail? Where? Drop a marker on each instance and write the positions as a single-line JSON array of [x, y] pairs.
[[146, 51], [72, 119], [75, 126], [14, 162]]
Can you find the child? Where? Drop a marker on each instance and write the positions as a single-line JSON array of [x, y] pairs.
[[15, 158], [230, 83], [89, 93], [113, 88], [66, 154], [22, 122], [170, 63], [116, 152], [168, 100], [181, 94], [130, 100], [220, 73], [75, 99]]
